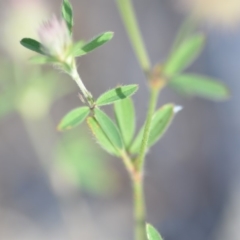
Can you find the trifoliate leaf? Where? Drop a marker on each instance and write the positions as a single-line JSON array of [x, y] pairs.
[[33, 45], [160, 123], [73, 118], [40, 59], [75, 48], [67, 14], [109, 128], [125, 116], [100, 136], [184, 55], [197, 85], [116, 94], [93, 44]]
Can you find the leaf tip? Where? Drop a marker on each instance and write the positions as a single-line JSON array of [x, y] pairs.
[[152, 233], [228, 93], [148, 225], [23, 41], [60, 128], [110, 34]]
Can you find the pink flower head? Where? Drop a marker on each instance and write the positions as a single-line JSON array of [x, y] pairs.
[[55, 37]]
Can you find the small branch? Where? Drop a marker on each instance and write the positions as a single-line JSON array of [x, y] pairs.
[[76, 77], [128, 164]]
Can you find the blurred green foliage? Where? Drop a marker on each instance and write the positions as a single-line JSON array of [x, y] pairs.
[[31, 92], [83, 164]]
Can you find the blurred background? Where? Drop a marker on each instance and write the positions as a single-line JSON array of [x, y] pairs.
[[62, 185]]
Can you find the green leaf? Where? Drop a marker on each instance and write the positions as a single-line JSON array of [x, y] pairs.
[[93, 44], [67, 14], [184, 55], [186, 30], [101, 137], [160, 123], [75, 48], [109, 129], [197, 85], [125, 116], [73, 118], [152, 233], [32, 45], [40, 59], [116, 94]]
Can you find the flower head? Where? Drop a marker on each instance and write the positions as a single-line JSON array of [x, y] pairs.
[[55, 38]]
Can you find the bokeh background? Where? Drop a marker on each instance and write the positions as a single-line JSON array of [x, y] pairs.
[[62, 185]]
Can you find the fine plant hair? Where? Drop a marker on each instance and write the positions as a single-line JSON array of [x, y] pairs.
[[117, 136]]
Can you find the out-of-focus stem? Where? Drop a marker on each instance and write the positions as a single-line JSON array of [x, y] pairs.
[[130, 21]]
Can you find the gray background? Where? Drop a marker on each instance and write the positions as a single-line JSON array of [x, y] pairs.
[[192, 175]]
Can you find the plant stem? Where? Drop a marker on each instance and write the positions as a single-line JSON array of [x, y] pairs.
[[139, 208], [76, 77], [129, 18], [152, 105], [128, 163], [138, 197]]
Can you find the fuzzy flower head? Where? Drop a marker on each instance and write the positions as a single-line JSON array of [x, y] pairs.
[[55, 38], [225, 13]]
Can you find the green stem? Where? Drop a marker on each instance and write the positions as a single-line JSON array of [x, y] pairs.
[[152, 105], [76, 77], [139, 209], [130, 21], [137, 179], [128, 163], [129, 18]]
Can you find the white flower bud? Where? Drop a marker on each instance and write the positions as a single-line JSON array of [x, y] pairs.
[[55, 38]]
